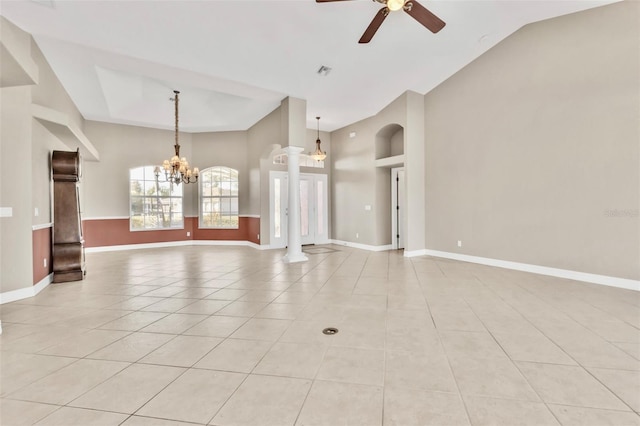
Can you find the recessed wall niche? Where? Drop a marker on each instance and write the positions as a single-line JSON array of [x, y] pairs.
[[390, 141]]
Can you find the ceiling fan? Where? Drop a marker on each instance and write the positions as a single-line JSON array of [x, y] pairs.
[[412, 7]]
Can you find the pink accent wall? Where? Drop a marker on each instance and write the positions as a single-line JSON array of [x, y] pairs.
[[41, 239], [113, 232]]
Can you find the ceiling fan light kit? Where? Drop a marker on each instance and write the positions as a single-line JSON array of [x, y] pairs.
[[394, 5], [411, 7]]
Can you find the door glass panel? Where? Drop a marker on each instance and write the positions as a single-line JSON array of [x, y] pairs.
[[304, 208], [320, 208], [276, 202]]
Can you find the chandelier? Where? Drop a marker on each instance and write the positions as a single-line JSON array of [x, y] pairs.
[[318, 155], [177, 169]]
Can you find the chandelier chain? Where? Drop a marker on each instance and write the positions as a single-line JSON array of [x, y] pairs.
[[177, 169], [176, 100]]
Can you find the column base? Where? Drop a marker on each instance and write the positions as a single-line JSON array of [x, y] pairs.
[[293, 258]]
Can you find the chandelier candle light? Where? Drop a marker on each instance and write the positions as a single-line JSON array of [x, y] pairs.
[[318, 155], [177, 169]]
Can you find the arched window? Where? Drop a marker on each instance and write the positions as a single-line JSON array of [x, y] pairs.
[[219, 198], [153, 204]]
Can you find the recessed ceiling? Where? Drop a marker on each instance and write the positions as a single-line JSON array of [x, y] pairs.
[[235, 60]]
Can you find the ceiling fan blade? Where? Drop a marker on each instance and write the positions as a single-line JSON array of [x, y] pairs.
[[422, 15], [374, 25]]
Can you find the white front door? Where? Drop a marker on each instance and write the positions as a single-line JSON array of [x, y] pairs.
[[313, 209]]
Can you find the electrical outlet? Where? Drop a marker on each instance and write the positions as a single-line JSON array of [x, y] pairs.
[[188, 234], [459, 243], [45, 262], [36, 212], [357, 235]]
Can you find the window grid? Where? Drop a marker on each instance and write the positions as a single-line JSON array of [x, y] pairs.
[[153, 204], [219, 198]]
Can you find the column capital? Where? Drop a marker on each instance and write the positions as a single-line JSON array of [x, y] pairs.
[[292, 150]]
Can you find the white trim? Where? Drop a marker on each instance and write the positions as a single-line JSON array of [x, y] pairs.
[[221, 242], [42, 226], [219, 229], [256, 216], [536, 269], [389, 162], [178, 243], [23, 293], [105, 218], [414, 253], [362, 246], [260, 246], [230, 243], [138, 246]]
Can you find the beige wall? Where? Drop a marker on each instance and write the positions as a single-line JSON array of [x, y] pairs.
[[106, 183], [531, 146], [356, 182], [49, 93], [25, 150], [415, 195], [15, 160], [122, 147], [261, 138], [227, 149]]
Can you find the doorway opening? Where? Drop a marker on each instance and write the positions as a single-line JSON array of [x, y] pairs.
[[314, 211], [398, 203]]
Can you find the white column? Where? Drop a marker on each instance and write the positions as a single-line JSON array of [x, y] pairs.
[[294, 246]]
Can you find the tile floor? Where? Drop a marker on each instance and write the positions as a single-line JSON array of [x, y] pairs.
[[232, 336]]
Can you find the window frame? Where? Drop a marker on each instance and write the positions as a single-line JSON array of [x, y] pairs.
[[201, 197], [149, 169]]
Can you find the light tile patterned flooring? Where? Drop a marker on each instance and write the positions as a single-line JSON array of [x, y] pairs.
[[232, 336]]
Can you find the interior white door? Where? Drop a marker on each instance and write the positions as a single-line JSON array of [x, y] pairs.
[[313, 209]]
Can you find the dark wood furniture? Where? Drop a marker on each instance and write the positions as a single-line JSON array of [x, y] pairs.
[[68, 244]]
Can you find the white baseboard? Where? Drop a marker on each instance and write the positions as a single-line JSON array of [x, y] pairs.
[[536, 269], [138, 246], [362, 246], [178, 243], [230, 243], [23, 293], [414, 253]]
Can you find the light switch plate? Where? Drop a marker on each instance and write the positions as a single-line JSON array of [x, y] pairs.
[[6, 211]]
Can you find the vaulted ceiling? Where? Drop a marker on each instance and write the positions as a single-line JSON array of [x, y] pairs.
[[235, 60]]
